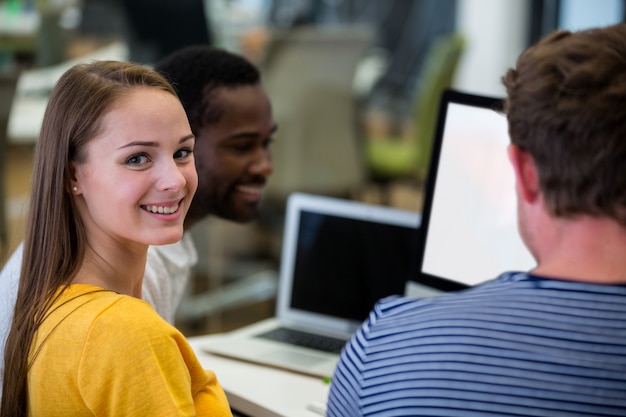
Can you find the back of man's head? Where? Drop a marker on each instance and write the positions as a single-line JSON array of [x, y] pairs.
[[565, 106], [196, 71]]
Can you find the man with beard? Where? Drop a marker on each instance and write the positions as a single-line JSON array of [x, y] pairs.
[[231, 117]]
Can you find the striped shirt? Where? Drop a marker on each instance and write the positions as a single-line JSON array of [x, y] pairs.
[[519, 345]]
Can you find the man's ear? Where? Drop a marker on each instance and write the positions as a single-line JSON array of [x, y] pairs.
[[526, 176]]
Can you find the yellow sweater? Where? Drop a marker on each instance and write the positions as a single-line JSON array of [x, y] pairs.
[[99, 353]]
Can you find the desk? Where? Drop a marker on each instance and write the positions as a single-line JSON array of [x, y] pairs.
[[261, 391]]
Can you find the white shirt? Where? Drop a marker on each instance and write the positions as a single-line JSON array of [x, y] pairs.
[[168, 269]]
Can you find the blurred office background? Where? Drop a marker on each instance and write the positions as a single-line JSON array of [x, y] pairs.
[[354, 86]]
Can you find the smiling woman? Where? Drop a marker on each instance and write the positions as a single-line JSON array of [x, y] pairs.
[[113, 173], [145, 147]]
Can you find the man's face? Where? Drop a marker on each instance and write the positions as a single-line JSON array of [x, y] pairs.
[[233, 157]]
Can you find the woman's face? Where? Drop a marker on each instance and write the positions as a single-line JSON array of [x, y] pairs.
[[139, 176]]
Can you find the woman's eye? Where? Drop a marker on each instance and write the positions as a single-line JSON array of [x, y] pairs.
[[183, 153], [138, 159]]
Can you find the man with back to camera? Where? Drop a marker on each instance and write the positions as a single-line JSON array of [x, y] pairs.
[[231, 118], [549, 342]]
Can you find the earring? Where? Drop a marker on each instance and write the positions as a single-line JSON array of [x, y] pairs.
[[75, 189]]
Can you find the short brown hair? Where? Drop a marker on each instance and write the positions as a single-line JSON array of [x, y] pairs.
[[566, 106]]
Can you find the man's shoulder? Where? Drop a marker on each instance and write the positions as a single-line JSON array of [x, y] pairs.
[[510, 291], [10, 277], [508, 282], [13, 266], [181, 253]]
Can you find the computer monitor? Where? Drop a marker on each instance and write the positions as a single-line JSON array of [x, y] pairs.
[[468, 232]]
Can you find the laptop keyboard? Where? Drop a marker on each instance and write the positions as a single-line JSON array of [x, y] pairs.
[[304, 339]]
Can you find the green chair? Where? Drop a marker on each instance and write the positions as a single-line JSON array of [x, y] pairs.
[[308, 72], [393, 158]]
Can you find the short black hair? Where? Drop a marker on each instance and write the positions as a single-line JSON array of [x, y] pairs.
[[197, 71]]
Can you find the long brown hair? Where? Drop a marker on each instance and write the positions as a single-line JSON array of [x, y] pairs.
[[54, 244]]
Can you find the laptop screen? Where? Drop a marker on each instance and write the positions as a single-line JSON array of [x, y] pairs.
[[469, 220], [341, 256], [344, 265]]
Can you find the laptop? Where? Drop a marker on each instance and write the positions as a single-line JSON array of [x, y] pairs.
[[338, 258], [468, 232]]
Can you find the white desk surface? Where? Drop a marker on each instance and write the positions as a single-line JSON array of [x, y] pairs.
[[33, 87], [260, 391]]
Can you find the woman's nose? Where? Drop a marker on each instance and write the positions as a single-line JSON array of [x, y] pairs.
[[171, 177]]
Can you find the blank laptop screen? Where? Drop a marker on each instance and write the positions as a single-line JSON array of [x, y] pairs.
[[469, 221], [344, 265]]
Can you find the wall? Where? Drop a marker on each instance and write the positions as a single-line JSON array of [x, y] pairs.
[[583, 14], [496, 33]]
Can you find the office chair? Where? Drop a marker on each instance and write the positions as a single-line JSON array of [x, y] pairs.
[[308, 73], [390, 158], [8, 84]]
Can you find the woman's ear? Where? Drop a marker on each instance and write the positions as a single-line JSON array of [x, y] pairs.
[[526, 176], [74, 188]]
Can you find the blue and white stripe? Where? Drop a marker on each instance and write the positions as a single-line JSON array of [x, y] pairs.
[[516, 346]]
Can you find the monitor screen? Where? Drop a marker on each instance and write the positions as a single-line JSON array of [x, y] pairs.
[[469, 221]]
